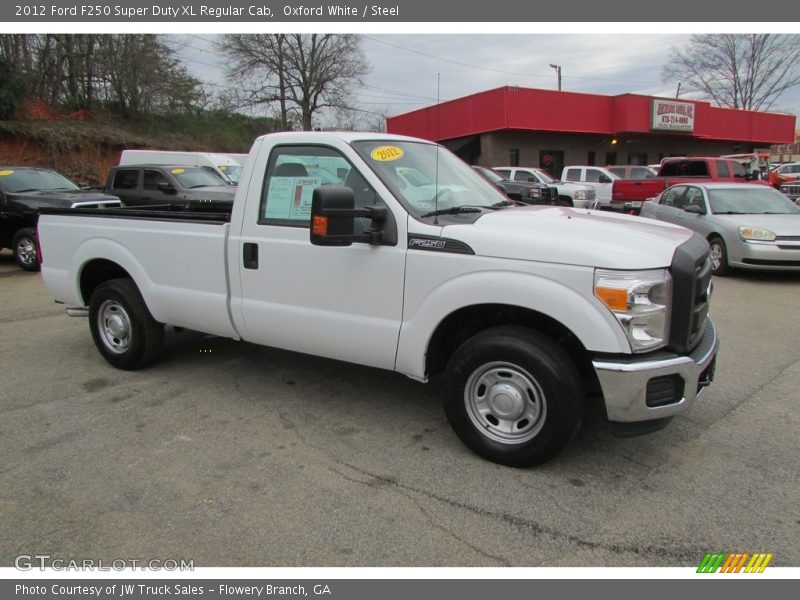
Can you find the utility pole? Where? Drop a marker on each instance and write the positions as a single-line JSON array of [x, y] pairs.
[[678, 91], [558, 71]]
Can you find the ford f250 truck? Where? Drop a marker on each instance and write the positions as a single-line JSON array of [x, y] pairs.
[[628, 194], [529, 312]]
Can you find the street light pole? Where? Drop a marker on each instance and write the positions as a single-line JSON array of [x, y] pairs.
[[558, 71]]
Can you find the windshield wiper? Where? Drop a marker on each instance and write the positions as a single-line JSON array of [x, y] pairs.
[[455, 210], [502, 204]]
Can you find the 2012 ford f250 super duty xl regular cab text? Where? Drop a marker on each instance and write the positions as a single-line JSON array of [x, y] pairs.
[[335, 248]]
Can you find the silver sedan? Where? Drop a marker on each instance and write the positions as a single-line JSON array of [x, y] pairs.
[[748, 226]]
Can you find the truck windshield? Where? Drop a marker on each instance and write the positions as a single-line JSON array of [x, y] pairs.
[[544, 176], [426, 177], [749, 201], [33, 180], [195, 177], [232, 172]]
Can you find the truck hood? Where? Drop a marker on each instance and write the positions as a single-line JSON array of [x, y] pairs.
[[57, 198], [572, 236]]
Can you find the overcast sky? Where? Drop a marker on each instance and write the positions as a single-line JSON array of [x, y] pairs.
[[404, 68]]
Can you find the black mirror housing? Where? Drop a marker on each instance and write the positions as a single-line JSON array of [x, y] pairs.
[[166, 187], [333, 216], [331, 221]]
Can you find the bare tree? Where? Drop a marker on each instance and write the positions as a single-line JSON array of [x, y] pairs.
[[301, 74], [735, 70]]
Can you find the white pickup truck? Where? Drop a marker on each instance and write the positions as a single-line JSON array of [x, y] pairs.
[[334, 249]]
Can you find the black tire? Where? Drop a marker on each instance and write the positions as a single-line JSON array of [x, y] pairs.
[[23, 244], [124, 331], [534, 391], [565, 201], [719, 257]]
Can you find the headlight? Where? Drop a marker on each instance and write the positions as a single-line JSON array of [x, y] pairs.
[[757, 234], [581, 195], [534, 193], [640, 300]]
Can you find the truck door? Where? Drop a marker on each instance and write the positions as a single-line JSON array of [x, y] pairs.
[[344, 302]]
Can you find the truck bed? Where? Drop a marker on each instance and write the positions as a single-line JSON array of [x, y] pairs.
[[177, 259]]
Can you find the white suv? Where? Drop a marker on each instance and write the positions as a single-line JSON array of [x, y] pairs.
[[581, 196]]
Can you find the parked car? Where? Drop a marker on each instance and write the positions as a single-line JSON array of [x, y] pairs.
[[170, 186], [632, 171], [26, 190], [599, 178], [528, 193], [227, 167], [581, 196], [748, 226]]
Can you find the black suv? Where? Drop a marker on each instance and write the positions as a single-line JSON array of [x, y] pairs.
[[522, 191]]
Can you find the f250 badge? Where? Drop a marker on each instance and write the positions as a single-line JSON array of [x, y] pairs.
[[427, 244]]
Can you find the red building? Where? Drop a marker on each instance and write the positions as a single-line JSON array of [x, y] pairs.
[[521, 126]]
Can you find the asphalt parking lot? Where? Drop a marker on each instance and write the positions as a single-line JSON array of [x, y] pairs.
[[231, 454]]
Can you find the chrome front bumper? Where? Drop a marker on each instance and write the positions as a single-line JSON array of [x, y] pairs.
[[631, 383]]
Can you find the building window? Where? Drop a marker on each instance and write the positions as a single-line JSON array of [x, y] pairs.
[[590, 159], [514, 157], [611, 158], [637, 158]]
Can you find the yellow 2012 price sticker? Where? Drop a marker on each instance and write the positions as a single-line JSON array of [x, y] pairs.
[[386, 153]]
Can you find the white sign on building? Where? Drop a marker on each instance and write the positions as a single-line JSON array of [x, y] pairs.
[[670, 115]]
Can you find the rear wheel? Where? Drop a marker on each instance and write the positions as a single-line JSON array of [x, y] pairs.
[[719, 257], [24, 247], [124, 331], [514, 396]]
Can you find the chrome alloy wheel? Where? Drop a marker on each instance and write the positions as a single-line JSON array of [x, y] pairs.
[[505, 403], [716, 255], [114, 327], [26, 251]]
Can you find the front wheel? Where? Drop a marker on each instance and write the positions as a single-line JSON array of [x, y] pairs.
[[124, 331], [514, 396], [719, 257], [24, 247]]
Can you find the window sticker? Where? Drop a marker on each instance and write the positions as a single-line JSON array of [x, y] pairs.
[[289, 198], [6, 172], [177, 171], [386, 153], [223, 168]]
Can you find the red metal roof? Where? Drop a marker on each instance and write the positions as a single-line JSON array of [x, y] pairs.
[[514, 108]]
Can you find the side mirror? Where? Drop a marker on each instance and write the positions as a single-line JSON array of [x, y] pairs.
[[166, 187], [333, 216], [605, 178], [694, 209]]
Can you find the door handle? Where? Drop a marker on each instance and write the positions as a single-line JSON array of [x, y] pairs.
[[250, 256]]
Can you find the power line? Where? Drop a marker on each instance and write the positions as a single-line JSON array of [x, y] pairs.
[[490, 69]]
